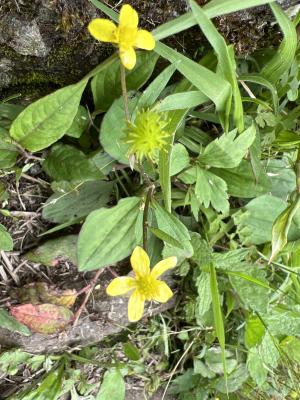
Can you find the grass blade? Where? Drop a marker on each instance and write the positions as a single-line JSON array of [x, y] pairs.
[[218, 316], [285, 54]]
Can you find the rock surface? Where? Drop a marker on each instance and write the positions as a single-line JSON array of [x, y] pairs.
[[44, 44]]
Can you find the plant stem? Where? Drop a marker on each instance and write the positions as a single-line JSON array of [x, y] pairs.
[[145, 216], [297, 170], [88, 290], [124, 92]]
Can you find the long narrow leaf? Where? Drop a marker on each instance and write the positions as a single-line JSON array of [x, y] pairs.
[[226, 63], [213, 9], [286, 52], [212, 85], [218, 317]]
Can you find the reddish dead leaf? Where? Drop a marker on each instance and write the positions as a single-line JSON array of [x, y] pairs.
[[43, 318], [41, 292]]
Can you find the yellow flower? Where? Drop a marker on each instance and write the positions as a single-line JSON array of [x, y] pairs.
[[145, 285], [126, 35]]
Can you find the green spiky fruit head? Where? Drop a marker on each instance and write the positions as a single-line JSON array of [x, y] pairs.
[[147, 135]]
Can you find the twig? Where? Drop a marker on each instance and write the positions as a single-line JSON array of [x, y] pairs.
[[145, 215], [9, 267], [90, 286], [25, 154]]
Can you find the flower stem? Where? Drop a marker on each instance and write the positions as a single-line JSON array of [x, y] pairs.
[[297, 171], [145, 216], [124, 92]]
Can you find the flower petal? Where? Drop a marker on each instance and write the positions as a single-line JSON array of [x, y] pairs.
[[140, 262], [128, 57], [103, 29], [136, 306], [161, 292], [121, 285], [144, 40], [128, 17], [163, 266]]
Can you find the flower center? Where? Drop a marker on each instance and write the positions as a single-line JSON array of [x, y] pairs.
[[145, 286], [127, 36]]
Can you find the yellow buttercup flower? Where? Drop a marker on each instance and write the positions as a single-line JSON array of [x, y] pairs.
[[126, 35], [145, 285]]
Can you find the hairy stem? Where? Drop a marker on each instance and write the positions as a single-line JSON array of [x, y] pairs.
[[124, 91], [145, 216]]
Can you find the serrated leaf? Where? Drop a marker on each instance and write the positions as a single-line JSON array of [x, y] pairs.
[[6, 242], [202, 252], [268, 350], [108, 235], [233, 381], [112, 386], [256, 367], [210, 189], [43, 318], [291, 348], [78, 203], [106, 85], [241, 181], [281, 228], [204, 297], [228, 150], [67, 163], [47, 120], [253, 229], [54, 251], [10, 323]]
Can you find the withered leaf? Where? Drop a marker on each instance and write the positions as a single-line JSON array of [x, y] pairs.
[[41, 292], [43, 318]]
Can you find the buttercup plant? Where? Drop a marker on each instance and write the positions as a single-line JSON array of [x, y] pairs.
[[145, 285], [127, 35]]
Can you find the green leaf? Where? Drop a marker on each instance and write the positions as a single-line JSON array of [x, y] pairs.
[[10, 323], [210, 189], [67, 163], [77, 203], [251, 285], [171, 225], [108, 235], [112, 386], [10, 361], [254, 331], [165, 237], [285, 54], [113, 128], [106, 85], [210, 84], [180, 101], [281, 228], [256, 367], [218, 316], [8, 151], [291, 348], [79, 124], [103, 161], [54, 251], [212, 9], [131, 351], [226, 62], [234, 380], [268, 350], [48, 119], [179, 159], [6, 242], [204, 298], [260, 80], [254, 222], [155, 88], [241, 181], [228, 150]]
